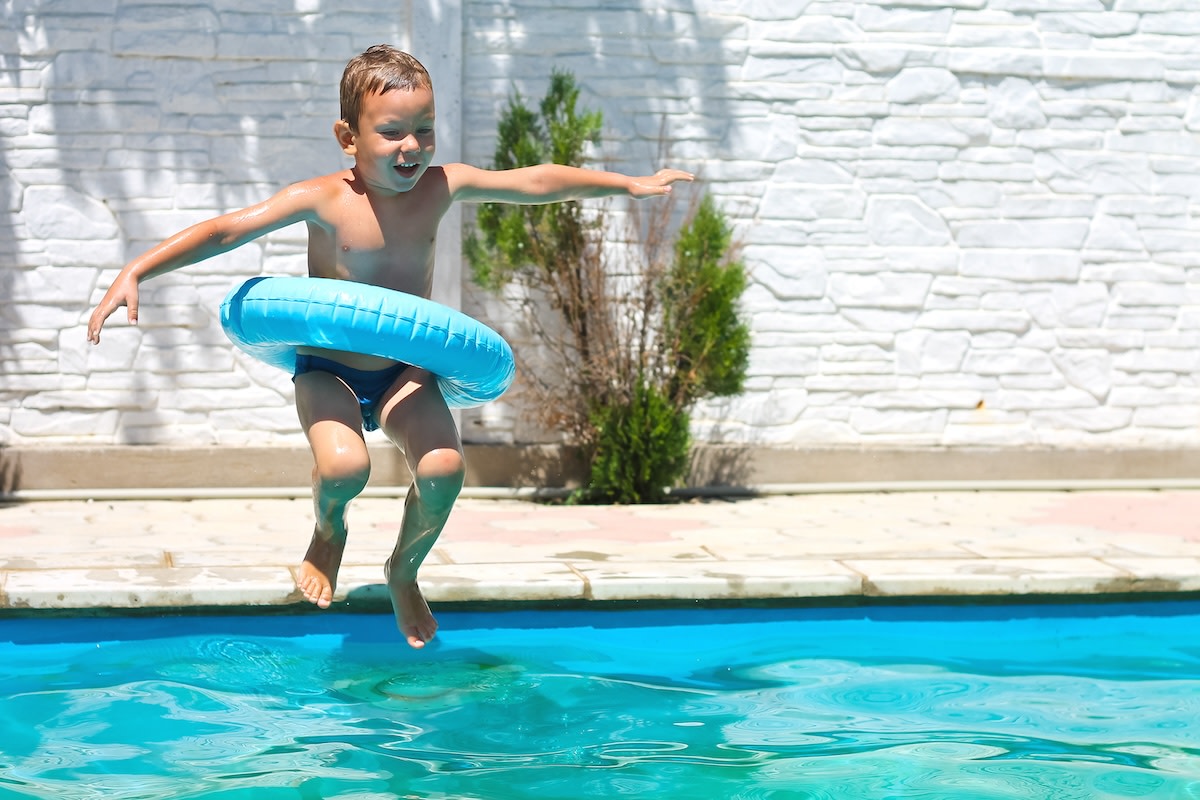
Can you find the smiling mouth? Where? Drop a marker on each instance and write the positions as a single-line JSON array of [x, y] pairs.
[[407, 167]]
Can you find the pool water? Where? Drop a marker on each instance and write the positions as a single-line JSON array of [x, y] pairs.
[[936, 702]]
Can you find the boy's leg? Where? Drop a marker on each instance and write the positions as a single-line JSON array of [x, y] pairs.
[[331, 419], [415, 417]]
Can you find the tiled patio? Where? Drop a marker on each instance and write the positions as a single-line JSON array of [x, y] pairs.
[[835, 547]]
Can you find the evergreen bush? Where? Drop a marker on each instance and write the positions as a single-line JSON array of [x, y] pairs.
[[634, 343]]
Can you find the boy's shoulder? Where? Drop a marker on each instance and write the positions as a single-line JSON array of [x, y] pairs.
[[334, 181]]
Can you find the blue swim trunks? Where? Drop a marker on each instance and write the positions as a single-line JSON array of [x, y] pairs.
[[368, 385]]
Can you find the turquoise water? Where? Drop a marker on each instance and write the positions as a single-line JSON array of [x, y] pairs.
[[1037, 702]]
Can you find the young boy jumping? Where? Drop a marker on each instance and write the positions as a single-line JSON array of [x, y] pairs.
[[375, 223]]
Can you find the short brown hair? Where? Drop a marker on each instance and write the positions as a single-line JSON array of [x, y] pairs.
[[376, 70]]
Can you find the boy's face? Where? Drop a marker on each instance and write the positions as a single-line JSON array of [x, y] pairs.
[[394, 143]]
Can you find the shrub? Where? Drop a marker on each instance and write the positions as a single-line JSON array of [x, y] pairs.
[[634, 341]]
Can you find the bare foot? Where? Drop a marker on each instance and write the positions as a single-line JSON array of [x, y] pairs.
[[316, 578], [413, 617]]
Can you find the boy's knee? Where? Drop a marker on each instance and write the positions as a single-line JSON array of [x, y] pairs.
[[443, 463], [440, 475], [344, 477]]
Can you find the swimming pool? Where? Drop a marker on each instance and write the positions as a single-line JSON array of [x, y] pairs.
[[932, 702]]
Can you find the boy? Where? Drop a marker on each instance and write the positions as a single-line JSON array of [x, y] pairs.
[[375, 223]]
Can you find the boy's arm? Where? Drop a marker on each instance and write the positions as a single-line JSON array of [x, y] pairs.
[[553, 183], [203, 240]]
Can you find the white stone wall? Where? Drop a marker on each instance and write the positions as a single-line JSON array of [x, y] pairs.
[[966, 222], [123, 123]]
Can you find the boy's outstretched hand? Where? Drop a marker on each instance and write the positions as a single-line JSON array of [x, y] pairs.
[[658, 184], [124, 292]]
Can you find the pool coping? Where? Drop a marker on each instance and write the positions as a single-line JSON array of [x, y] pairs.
[[160, 555]]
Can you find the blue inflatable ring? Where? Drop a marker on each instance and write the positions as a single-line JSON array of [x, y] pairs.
[[269, 317]]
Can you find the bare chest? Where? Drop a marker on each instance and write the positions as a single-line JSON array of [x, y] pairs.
[[384, 246]]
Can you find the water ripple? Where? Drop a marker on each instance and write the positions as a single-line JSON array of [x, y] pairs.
[[244, 717]]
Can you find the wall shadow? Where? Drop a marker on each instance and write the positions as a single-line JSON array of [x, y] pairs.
[[151, 118]]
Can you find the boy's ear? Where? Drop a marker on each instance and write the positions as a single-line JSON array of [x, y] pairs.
[[345, 136]]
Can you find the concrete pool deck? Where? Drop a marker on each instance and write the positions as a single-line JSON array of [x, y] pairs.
[[833, 547]]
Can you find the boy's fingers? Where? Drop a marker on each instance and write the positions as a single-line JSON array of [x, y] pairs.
[[675, 175], [94, 326], [131, 306]]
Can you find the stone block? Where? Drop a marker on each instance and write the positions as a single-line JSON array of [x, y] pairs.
[[1008, 361], [1173, 18], [1090, 370], [1015, 103], [61, 212], [905, 221], [899, 131], [1053, 397], [881, 290], [973, 321], [924, 352], [57, 285], [783, 274], [117, 351], [897, 19], [1102, 24], [1090, 420], [65, 424], [903, 423], [999, 61], [1141, 294], [1040, 234], [1114, 233], [1091, 66], [804, 202], [1181, 417], [874, 319], [162, 43], [924, 85]]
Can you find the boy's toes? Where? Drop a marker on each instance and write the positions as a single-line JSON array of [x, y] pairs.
[[316, 591], [422, 633]]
